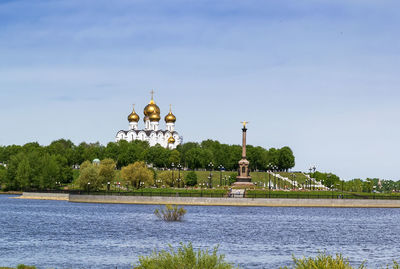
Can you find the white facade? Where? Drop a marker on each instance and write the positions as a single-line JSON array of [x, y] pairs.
[[153, 137]]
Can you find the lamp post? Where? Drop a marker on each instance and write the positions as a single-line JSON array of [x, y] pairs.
[[210, 165], [275, 168], [179, 172], [220, 174], [88, 187], [108, 186], [293, 179], [172, 174]]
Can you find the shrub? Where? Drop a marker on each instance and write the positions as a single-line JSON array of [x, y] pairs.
[[323, 261], [22, 266], [170, 213], [232, 178], [191, 178], [184, 257]]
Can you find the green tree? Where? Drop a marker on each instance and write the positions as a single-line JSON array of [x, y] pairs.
[[50, 172], [167, 178], [23, 175], [157, 155], [136, 173], [64, 148], [107, 170], [193, 158], [3, 176], [89, 178], [174, 157], [285, 158], [85, 165], [191, 179]]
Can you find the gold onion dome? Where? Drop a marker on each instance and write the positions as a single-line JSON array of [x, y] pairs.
[[133, 117], [170, 118], [155, 117], [151, 107], [171, 140]]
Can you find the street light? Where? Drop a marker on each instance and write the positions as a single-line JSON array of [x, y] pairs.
[[210, 165], [293, 180], [88, 187], [220, 174], [275, 168], [172, 175], [179, 171]]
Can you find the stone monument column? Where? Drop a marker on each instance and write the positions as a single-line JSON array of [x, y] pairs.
[[244, 171]]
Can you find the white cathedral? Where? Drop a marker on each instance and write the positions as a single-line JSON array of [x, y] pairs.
[[151, 133]]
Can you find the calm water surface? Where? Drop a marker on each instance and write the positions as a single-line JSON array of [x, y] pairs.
[[58, 234]]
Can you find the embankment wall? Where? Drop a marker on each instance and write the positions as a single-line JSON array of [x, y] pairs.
[[235, 201]]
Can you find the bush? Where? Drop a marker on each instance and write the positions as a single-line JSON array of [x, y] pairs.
[[171, 213], [22, 266], [323, 261], [232, 178], [184, 257], [191, 179]]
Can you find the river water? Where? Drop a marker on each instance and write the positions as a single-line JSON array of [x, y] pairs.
[[59, 234]]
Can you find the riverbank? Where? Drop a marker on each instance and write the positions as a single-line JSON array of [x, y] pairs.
[[44, 196], [206, 201], [11, 192]]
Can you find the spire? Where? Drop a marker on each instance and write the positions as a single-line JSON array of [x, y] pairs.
[[152, 97]]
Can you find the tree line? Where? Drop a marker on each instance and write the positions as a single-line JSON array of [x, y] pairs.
[[44, 167]]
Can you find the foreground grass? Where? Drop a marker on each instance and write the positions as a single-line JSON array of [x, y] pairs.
[[184, 257], [323, 261]]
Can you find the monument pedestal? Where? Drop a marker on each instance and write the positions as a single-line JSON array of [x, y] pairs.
[[243, 185]]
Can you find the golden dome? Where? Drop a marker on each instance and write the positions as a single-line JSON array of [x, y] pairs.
[[171, 140], [170, 118], [133, 117], [155, 117], [151, 107]]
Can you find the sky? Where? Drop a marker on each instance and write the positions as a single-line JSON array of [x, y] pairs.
[[321, 77]]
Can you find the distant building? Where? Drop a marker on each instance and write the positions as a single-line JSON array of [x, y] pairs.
[[151, 132]]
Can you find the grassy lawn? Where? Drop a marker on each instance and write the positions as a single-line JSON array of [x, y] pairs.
[[300, 178], [260, 178], [318, 194]]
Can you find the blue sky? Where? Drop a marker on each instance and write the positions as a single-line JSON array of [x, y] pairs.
[[318, 76]]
